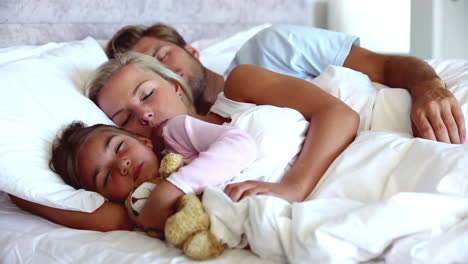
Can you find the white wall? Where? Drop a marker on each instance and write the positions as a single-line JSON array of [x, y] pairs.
[[382, 25], [317, 10], [437, 28]]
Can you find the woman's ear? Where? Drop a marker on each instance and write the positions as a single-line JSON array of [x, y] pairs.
[[178, 88], [146, 141], [192, 51]]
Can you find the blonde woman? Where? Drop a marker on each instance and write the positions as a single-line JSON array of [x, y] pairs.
[[139, 94]]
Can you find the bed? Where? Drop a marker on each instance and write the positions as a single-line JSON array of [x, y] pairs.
[[372, 205]]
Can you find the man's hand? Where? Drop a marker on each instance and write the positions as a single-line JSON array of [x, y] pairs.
[[238, 191], [436, 115]]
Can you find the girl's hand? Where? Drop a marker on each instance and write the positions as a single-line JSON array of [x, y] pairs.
[[160, 205], [237, 191]]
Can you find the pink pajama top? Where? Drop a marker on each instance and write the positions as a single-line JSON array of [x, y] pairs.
[[213, 154]]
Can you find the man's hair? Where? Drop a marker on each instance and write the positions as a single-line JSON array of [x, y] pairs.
[[144, 62], [128, 36], [65, 147]]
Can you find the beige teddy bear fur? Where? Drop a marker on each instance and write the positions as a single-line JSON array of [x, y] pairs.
[[188, 228]]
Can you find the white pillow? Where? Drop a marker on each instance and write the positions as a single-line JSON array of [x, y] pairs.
[[41, 93], [16, 53], [392, 110], [216, 54]]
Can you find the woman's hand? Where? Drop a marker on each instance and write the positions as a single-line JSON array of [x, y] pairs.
[[238, 191]]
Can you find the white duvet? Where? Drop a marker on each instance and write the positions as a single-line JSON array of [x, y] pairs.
[[382, 190], [388, 198]]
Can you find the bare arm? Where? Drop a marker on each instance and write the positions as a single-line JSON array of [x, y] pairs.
[[110, 216], [333, 126], [436, 113], [160, 205]]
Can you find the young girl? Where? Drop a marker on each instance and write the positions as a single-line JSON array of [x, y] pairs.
[[113, 161]]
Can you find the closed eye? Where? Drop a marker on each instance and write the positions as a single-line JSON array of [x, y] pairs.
[[163, 57], [147, 96], [162, 53], [118, 147], [106, 178], [125, 122]]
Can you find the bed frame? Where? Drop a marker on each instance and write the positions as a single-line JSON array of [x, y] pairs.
[[34, 22]]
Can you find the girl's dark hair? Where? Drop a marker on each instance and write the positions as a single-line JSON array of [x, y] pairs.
[[65, 147]]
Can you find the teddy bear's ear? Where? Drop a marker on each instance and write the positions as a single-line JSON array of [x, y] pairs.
[[169, 164], [128, 205]]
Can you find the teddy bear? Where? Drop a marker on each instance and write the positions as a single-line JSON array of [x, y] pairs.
[[188, 228]]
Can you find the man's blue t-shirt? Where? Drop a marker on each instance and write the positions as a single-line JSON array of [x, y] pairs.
[[299, 51]]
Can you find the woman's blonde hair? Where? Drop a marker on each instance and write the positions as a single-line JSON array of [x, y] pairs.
[[102, 75]]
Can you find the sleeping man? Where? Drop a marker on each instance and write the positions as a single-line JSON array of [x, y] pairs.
[[305, 52]]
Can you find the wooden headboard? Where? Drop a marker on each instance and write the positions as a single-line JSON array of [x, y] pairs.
[[33, 22]]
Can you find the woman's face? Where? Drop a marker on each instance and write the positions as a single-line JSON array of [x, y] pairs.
[[113, 163], [138, 100]]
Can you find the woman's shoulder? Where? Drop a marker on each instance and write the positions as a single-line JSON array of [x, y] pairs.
[[226, 107]]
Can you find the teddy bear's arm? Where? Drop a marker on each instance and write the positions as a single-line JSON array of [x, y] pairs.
[[160, 205]]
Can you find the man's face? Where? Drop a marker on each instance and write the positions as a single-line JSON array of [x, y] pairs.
[[183, 61]]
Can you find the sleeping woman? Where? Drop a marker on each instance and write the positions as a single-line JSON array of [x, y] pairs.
[[138, 93]]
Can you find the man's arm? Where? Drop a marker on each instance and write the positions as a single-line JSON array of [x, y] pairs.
[[436, 113], [110, 216]]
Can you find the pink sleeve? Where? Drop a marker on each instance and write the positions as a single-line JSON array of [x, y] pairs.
[[214, 154]]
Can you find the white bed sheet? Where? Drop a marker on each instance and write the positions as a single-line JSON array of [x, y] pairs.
[[26, 238]]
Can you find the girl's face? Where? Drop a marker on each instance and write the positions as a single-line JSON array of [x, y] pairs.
[[113, 164], [138, 100]]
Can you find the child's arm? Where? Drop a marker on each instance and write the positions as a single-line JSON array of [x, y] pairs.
[[215, 153], [160, 205], [110, 216]]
